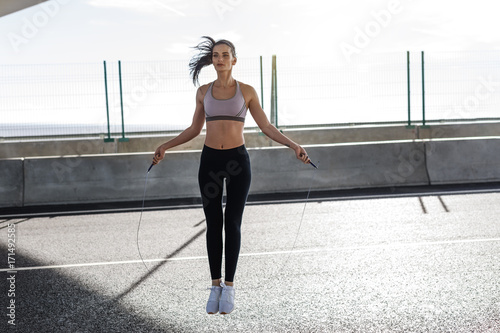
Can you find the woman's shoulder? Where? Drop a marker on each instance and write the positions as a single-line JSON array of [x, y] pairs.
[[246, 87], [202, 90]]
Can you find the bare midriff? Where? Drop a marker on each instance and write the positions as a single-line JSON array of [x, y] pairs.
[[224, 134]]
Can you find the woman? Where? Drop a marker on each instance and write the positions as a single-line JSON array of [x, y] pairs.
[[223, 104]]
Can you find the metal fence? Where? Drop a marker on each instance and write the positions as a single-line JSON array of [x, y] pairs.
[[118, 100]]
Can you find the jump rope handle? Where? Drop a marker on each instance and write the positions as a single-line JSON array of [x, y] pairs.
[[310, 162], [150, 167]]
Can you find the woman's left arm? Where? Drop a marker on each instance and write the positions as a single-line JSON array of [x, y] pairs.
[[269, 129]]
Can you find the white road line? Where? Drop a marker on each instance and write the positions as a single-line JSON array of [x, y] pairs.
[[99, 264], [260, 254]]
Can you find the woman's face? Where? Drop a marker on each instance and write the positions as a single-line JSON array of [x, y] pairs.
[[222, 57]]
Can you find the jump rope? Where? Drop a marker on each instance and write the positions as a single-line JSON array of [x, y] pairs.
[[289, 251]]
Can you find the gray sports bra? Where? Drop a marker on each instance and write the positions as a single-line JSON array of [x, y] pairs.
[[233, 108]]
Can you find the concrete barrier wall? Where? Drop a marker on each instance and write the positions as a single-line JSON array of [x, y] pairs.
[[108, 178], [101, 178], [11, 182], [463, 161], [341, 166]]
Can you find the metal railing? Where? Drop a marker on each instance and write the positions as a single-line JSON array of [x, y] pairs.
[[115, 100]]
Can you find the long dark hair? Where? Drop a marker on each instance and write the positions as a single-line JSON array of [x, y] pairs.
[[204, 57]]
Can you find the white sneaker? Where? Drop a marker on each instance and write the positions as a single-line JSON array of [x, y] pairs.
[[213, 300], [226, 304]]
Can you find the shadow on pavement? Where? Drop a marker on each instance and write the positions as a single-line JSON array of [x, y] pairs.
[[156, 267], [47, 301]]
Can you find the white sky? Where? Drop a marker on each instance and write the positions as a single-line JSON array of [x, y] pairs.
[[62, 31]]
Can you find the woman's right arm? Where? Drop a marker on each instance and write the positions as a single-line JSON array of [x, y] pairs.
[[189, 133]]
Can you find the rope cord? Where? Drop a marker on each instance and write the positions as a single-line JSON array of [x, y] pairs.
[[140, 219], [301, 218], [296, 235]]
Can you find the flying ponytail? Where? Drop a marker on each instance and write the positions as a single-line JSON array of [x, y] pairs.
[[204, 57]]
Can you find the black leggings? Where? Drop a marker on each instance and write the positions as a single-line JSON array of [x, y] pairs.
[[233, 165]]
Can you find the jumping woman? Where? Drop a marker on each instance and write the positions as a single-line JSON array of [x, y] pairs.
[[223, 104]]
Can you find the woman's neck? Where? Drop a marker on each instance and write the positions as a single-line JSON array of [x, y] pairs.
[[225, 80]]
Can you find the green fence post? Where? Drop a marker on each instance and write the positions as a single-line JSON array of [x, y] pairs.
[[123, 138], [273, 91], [274, 94], [108, 139], [423, 94], [408, 79]]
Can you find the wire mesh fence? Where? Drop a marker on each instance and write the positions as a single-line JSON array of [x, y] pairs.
[[78, 99], [69, 100], [62, 99], [462, 86], [315, 93]]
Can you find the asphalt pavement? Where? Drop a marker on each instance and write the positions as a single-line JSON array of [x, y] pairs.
[[414, 263]]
